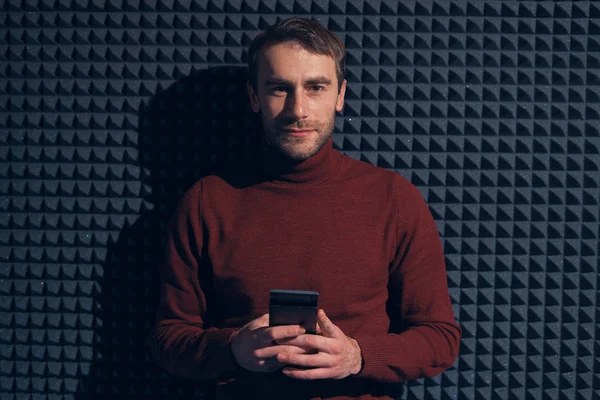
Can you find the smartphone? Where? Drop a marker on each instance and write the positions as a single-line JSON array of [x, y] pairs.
[[294, 307]]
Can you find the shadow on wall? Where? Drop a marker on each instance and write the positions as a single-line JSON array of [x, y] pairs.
[[199, 124]]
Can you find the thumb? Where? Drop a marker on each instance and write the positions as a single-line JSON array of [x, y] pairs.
[[327, 327], [263, 320]]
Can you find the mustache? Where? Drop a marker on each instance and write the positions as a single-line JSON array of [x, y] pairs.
[[296, 126]]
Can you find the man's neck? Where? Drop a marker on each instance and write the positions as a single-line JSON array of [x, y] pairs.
[[278, 167]]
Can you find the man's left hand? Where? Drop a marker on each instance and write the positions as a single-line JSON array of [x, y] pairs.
[[337, 357]]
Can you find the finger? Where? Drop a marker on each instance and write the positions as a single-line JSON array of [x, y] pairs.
[[289, 340], [327, 327], [310, 374], [300, 349], [272, 351], [263, 320], [323, 360], [270, 364], [284, 341], [320, 343], [268, 335]]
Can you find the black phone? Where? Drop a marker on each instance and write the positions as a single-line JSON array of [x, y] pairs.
[[294, 307]]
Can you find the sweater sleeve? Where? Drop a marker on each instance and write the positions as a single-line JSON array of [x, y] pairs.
[[423, 338], [179, 341]]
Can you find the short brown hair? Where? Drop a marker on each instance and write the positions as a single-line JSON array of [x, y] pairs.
[[308, 34]]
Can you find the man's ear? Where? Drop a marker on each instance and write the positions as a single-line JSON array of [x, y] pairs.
[[339, 104], [254, 103]]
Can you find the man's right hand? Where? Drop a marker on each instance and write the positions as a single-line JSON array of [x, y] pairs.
[[254, 345]]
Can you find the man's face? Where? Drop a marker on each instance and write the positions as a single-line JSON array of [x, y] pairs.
[[296, 91]]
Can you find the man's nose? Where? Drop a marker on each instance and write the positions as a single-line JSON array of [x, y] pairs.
[[297, 104]]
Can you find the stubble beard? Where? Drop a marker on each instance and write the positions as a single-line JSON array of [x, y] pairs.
[[300, 148]]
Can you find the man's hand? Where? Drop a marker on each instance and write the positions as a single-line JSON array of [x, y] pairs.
[[254, 345], [338, 355]]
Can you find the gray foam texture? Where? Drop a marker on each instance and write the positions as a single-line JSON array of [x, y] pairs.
[[110, 110]]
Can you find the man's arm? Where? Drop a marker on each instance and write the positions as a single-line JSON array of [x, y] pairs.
[[423, 339], [179, 341]]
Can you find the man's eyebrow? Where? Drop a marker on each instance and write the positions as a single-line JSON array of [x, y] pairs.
[[317, 80], [277, 81]]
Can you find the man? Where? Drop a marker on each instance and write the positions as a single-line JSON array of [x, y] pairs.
[[304, 217]]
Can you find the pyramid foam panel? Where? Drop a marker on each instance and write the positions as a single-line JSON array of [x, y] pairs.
[[110, 110]]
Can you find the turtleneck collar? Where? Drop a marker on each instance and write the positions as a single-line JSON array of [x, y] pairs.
[[275, 167]]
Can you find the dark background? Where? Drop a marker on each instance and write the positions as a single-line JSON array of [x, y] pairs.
[[110, 111]]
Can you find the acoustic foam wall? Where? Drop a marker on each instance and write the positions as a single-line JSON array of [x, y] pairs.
[[110, 110]]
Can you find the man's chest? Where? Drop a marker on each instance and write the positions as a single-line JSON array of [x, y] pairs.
[[342, 252]]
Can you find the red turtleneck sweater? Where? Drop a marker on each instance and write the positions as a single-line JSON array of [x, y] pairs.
[[361, 236]]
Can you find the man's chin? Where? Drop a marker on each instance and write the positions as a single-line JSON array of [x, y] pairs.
[[297, 148], [296, 154]]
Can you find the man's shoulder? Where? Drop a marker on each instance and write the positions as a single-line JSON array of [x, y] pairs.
[[210, 184], [363, 168], [229, 177], [398, 185], [205, 191]]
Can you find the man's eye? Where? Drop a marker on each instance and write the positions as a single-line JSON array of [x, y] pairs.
[[278, 91], [317, 88]]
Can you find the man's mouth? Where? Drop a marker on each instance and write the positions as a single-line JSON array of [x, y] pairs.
[[298, 132]]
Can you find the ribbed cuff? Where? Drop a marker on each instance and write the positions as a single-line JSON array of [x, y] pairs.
[[219, 341], [362, 359], [375, 356]]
